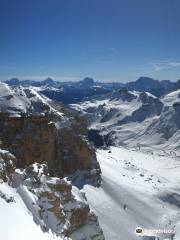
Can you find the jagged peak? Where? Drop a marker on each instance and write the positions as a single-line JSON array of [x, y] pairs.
[[48, 81], [13, 82], [145, 97], [88, 81], [18, 100]]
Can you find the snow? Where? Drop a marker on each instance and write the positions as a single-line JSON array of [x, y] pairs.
[[142, 121], [172, 97], [17, 222], [140, 176], [18, 100], [107, 110], [77, 194], [134, 193], [49, 207]]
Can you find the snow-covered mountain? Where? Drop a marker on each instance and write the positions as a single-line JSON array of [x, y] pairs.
[[154, 86], [118, 106], [73, 92], [135, 119], [17, 101], [66, 92]]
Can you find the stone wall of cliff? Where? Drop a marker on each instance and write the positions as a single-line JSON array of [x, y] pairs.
[[42, 139]]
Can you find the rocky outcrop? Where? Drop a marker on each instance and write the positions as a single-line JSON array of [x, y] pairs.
[[31, 139], [176, 107], [63, 144], [7, 165], [55, 204], [124, 94]]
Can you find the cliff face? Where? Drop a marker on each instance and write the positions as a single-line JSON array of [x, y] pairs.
[[30, 139], [45, 139], [7, 166]]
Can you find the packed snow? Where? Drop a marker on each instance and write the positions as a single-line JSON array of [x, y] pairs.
[[138, 190]]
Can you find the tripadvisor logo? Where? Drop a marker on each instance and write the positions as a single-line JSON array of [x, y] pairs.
[[139, 231], [154, 232]]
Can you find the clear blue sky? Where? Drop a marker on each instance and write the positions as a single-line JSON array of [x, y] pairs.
[[111, 40]]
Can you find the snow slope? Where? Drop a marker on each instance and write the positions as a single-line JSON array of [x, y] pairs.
[[105, 110], [140, 176], [18, 100], [119, 107], [138, 190], [142, 121], [17, 221]]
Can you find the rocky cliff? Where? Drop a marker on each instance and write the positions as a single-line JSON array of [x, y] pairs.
[[54, 203], [40, 139], [44, 142], [56, 136]]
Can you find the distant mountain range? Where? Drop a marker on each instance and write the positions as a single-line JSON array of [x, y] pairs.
[[156, 87], [72, 92]]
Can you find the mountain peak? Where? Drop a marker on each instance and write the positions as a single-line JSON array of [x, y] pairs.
[[88, 81], [145, 79], [13, 82], [49, 81]]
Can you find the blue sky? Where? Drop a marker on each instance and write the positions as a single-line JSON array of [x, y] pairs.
[[109, 40]]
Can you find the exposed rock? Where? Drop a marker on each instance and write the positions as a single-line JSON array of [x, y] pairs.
[[30, 139], [176, 107], [125, 95], [63, 144], [7, 198], [55, 204], [7, 165]]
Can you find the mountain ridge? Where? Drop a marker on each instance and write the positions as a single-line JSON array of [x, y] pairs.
[[73, 92], [132, 118]]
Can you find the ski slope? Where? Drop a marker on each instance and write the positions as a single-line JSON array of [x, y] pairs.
[[138, 190]]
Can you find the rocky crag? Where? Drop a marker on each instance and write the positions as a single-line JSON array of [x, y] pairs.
[[52, 134], [45, 145], [54, 203]]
